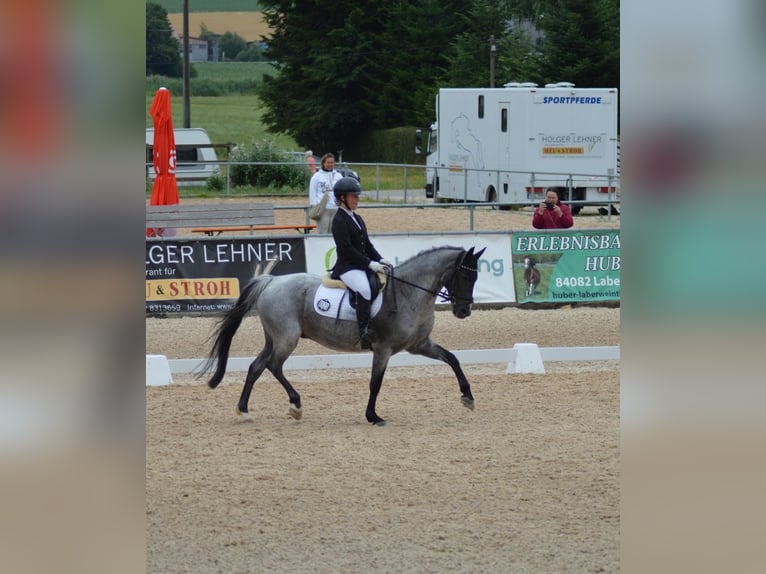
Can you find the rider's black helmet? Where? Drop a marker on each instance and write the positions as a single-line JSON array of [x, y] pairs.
[[346, 185]]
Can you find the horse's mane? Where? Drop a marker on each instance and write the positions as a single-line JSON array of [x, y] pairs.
[[409, 261]]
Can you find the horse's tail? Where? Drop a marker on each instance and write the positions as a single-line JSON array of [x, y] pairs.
[[228, 326]]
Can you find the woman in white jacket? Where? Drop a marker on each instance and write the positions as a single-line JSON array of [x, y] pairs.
[[322, 183]]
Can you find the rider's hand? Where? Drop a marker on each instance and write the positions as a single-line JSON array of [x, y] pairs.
[[386, 263], [377, 267]]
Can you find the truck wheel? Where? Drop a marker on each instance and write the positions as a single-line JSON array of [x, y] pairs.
[[492, 197]]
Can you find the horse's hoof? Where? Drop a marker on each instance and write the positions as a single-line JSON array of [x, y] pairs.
[[245, 417], [467, 402], [295, 412], [380, 423]]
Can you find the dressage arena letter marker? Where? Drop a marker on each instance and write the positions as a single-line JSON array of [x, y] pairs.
[[526, 359], [158, 371]]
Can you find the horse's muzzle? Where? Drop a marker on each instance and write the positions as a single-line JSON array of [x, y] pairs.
[[461, 311]]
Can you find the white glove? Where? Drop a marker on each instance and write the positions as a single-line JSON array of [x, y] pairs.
[[377, 267], [386, 263]]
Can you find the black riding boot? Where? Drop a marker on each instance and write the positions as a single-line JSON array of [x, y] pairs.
[[366, 334]]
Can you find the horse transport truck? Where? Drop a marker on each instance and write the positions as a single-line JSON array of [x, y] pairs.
[[507, 145]]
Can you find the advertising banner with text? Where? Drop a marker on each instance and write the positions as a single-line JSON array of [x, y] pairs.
[[495, 283], [561, 266], [206, 275]]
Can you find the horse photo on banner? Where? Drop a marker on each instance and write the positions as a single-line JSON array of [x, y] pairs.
[[165, 187]]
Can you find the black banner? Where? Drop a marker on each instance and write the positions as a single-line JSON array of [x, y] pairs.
[[206, 275]]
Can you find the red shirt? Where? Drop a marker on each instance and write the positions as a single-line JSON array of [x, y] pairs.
[[550, 220]]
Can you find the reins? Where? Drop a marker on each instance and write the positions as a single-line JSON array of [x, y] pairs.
[[446, 296]]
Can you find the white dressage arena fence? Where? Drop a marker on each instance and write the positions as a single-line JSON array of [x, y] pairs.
[[522, 358]]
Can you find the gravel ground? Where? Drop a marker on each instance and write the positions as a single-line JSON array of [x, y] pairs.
[[527, 482]]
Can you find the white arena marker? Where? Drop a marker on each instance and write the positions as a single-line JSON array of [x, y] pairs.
[[158, 371], [525, 358]]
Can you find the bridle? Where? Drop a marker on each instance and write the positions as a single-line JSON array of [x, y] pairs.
[[446, 296]]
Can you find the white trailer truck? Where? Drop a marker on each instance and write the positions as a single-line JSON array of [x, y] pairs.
[[507, 145]]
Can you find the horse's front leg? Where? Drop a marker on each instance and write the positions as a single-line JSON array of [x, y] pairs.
[[379, 363], [295, 399], [433, 351]]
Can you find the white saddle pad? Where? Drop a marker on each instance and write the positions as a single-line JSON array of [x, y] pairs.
[[328, 299]]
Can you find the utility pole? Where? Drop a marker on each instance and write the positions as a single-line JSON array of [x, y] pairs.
[[492, 57], [187, 107]]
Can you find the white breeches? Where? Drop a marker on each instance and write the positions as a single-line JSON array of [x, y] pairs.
[[356, 280]]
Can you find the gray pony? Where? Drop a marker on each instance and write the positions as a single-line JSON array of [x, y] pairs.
[[285, 305]]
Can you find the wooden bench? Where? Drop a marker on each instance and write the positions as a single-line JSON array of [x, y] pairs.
[[306, 229], [215, 216]]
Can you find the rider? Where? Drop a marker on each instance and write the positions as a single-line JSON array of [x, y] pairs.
[[357, 259]]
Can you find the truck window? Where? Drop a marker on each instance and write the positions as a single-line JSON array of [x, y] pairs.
[[504, 120], [433, 141], [186, 153], [481, 106]]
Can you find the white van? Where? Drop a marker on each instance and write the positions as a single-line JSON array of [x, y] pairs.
[[191, 154]]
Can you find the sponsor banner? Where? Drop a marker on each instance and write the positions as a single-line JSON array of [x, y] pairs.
[[206, 275], [561, 266], [495, 283]]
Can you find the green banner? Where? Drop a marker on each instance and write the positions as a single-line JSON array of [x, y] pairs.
[[566, 266]]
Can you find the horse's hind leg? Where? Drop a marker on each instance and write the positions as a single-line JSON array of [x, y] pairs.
[[433, 351], [253, 373]]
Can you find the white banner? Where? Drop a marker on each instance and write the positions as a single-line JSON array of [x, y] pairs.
[[495, 283]]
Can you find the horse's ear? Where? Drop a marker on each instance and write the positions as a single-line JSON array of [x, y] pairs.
[[477, 255], [469, 253]]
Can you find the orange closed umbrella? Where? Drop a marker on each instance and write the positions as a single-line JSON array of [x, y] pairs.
[[165, 187]]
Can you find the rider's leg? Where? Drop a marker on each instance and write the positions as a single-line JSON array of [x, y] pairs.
[[357, 281], [366, 333]]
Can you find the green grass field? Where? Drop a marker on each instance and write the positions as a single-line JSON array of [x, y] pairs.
[[236, 119], [227, 119], [177, 6], [228, 71]]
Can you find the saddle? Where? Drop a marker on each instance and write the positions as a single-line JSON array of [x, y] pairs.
[[377, 285], [331, 283]]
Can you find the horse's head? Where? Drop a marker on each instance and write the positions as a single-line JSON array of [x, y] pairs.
[[460, 284], [529, 262]]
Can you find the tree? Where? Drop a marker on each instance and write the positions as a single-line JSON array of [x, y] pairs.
[[348, 70], [469, 51], [230, 44], [253, 53], [162, 49], [581, 42]]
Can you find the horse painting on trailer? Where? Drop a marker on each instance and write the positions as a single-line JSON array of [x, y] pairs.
[[285, 306]]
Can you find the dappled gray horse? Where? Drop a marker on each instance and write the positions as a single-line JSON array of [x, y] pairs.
[[285, 305]]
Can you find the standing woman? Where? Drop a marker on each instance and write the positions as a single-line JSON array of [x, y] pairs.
[[322, 183], [357, 259]]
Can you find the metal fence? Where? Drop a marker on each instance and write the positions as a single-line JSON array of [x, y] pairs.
[[412, 179]]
